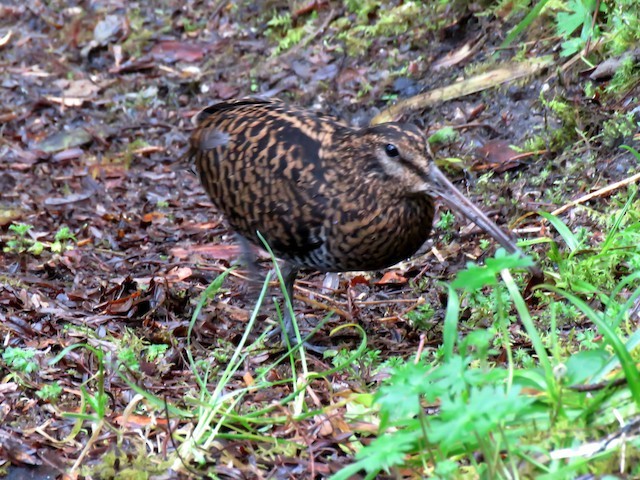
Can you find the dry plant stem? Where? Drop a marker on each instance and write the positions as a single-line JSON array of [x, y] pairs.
[[94, 437], [401, 316], [593, 23], [317, 294], [420, 348], [594, 387], [583, 54], [460, 89], [598, 193], [322, 306], [417, 301]]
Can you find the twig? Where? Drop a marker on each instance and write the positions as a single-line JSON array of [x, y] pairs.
[[471, 85], [420, 348], [322, 306], [594, 387], [598, 193]]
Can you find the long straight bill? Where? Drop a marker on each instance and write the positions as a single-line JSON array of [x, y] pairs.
[[455, 199]]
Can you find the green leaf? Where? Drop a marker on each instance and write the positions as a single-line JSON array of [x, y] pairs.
[[474, 277], [389, 450], [20, 229], [583, 365], [569, 238], [444, 135], [36, 248]]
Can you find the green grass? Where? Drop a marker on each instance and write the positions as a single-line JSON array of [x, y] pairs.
[[521, 419], [477, 407], [461, 413], [537, 388], [545, 387]]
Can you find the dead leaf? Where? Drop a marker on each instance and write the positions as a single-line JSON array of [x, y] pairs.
[[137, 421], [8, 215], [248, 379], [496, 156], [4, 40], [460, 55], [224, 90], [73, 198], [134, 65], [78, 88], [391, 277], [171, 51], [349, 74], [106, 29], [177, 274], [358, 280], [151, 216], [68, 154], [74, 93], [324, 427], [121, 305], [147, 150], [65, 139], [8, 387]]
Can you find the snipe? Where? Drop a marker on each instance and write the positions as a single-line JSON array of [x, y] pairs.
[[324, 195]]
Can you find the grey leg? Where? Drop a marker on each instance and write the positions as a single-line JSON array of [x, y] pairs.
[[248, 259], [289, 274]]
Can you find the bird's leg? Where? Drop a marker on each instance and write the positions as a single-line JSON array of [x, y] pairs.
[[289, 274], [248, 259]]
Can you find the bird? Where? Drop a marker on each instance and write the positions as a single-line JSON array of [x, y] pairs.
[[324, 196]]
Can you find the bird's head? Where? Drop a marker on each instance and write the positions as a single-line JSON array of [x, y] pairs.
[[402, 156]]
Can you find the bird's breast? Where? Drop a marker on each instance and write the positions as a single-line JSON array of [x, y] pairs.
[[375, 234]]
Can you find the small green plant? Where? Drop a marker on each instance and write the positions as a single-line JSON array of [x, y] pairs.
[[63, 240], [191, 26], [21, 243], [446, 135], [421, 317], [129, 357], [155, 351], [585, 271], [618, 128], [361, 367], [446, 220], [50, 392], [20, 359], [587, 339], [95, 400], [281, 28], [578, 18]]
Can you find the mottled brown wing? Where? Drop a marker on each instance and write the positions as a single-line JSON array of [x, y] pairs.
[[260, 163]]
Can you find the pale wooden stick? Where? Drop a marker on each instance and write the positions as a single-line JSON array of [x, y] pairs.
[[598, 193]]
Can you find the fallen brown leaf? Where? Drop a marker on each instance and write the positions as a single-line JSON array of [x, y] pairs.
[[393, 277], [496, 156], [174, 50]]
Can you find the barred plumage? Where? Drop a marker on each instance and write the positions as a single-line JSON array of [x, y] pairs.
[[324, 195]]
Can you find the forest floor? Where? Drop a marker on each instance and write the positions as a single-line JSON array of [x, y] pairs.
[[119, 240]]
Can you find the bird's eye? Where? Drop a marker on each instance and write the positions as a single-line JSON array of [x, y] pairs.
[[391, 150]]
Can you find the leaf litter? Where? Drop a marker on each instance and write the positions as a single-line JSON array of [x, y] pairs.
[[96, 106]]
